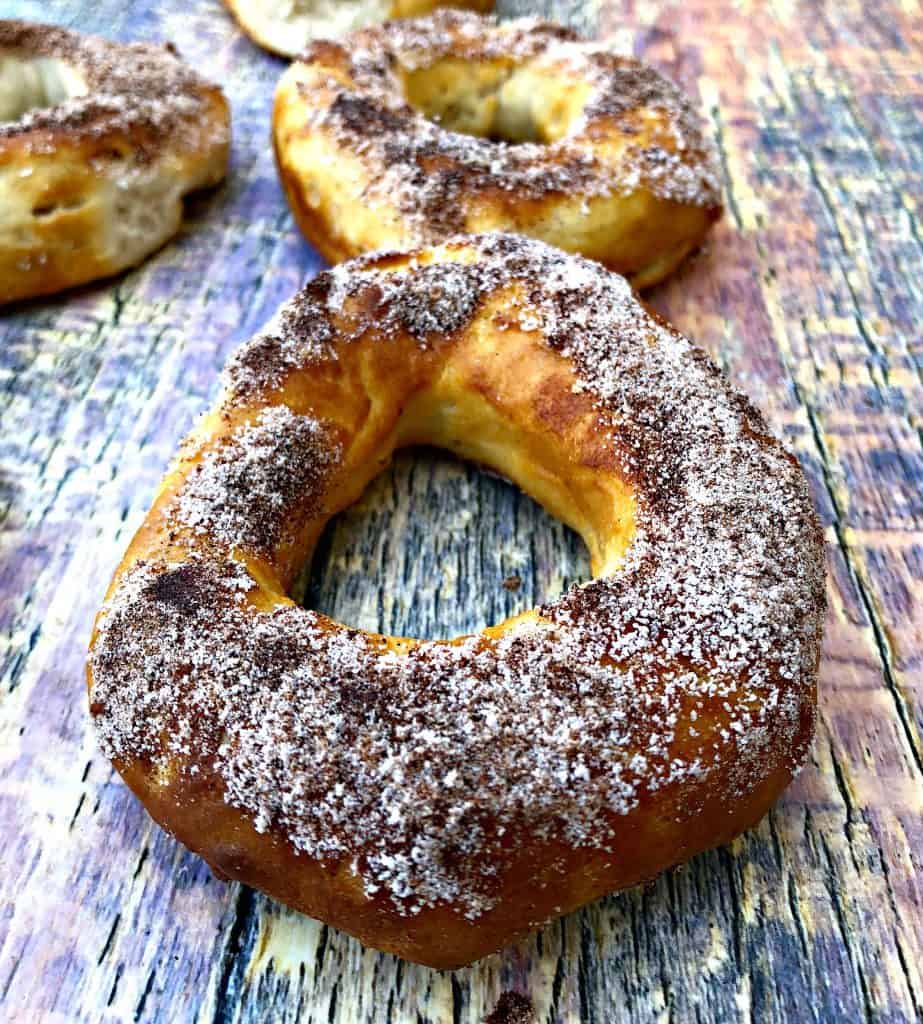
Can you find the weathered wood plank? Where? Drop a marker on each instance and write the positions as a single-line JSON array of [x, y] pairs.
[[840, 323], [808, 294]]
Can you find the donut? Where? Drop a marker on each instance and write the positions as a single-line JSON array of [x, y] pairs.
[[404, 134], [440, 798], [285, 27], [99, 142]]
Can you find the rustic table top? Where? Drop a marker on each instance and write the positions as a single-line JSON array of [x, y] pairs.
[[808, 295]]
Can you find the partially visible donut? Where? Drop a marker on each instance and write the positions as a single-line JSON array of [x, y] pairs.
[[99, 142], [439, 798], [286, 27], [403, 134]]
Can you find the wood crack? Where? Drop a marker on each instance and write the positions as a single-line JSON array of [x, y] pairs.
[[108, 943], [234, 958], [865, 597], [845, 933], [881, 359], [149, 984], [718, 126], [898, 944]]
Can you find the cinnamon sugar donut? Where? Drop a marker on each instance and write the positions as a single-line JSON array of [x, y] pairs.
[[286, 27], [439, 798], [403, 134], [99, 142]]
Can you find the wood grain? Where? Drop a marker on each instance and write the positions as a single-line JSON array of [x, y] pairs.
[[809, 295]]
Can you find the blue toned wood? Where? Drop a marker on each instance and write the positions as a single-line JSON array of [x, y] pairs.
[[809, 294]]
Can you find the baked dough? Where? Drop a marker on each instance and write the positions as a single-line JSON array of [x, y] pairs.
[[99, 142], [440, 798], [404, 134], [286, 27]]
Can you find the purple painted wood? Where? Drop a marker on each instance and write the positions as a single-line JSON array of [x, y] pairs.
[[809, 296]]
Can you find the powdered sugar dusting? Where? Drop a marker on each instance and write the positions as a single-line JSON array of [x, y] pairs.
[[243, 494], [690, 672], [300, 334]]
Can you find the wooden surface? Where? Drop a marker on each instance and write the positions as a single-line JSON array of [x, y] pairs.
[[809, 294]]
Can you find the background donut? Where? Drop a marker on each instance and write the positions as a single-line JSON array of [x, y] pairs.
[[403, 134], [285, 27], [99, 142]]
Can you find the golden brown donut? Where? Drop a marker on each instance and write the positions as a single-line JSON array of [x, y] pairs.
[[437, 799], [286, 27], [402, 134], [99, 142]]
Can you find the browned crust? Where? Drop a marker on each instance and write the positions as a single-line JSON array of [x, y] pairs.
[[544, 882], [146, 117], [320, 231], [707, 638], [618, 187], [399, 9]]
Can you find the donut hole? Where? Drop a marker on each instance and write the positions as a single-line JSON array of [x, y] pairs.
[[518, 105], [463, 534], [438, 547], [30, 83]]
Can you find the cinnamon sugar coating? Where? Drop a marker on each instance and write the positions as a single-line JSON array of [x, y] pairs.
[[138, 89], [674, 687], [99, 143], [432, 168], [626, 158]]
